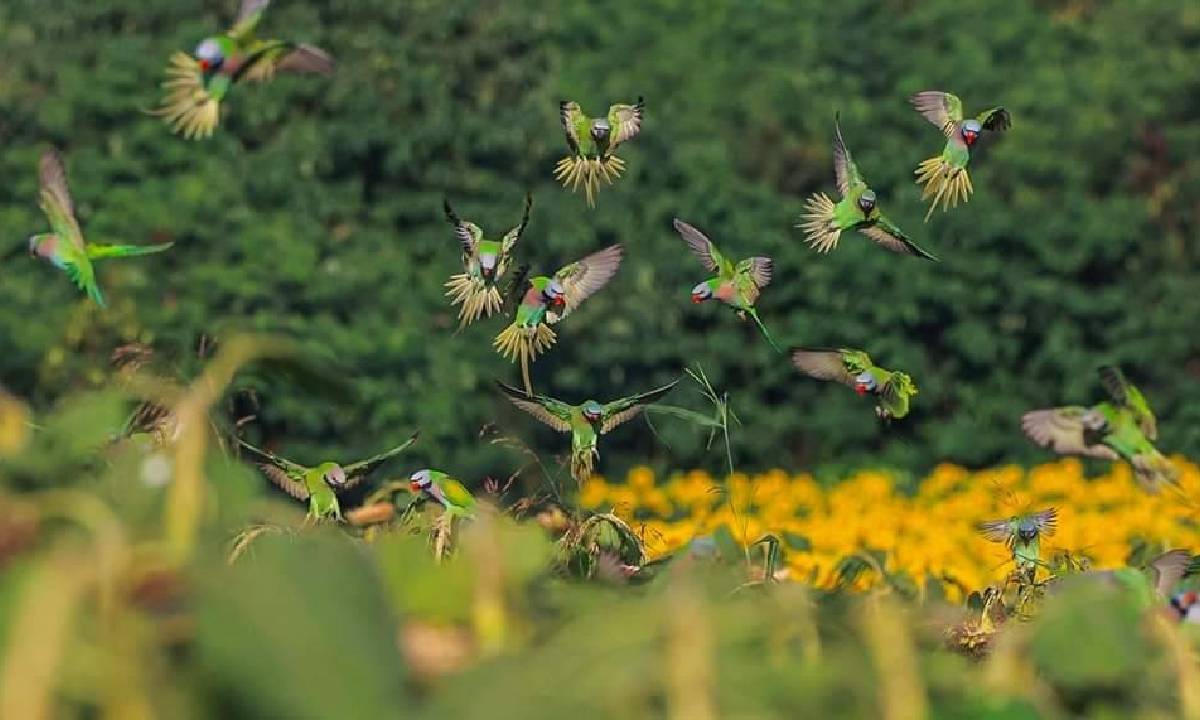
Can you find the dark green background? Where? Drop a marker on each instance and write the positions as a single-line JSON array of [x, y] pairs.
[[316, 211]]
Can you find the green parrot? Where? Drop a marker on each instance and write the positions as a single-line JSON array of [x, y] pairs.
[[320, 484], [65, 247], [945, 176], [1150, 586], [436, 485], [857, 210], [738, 286], [547, 300], [485, 263], [1022, 535], [1124, 428], [586, 422], [892, 389], [593, 142], [198, 83]]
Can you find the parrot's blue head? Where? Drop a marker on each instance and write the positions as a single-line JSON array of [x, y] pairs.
[[420, 481], [866, 201], [600, 130], [1027, 530], [209, 55], [864, 383], [970, 131], [702, 292], [592, 410]]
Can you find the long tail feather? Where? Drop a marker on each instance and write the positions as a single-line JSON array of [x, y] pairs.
[[947, 184], [758, 321], [818, 223], [478, 299], [99, 252]]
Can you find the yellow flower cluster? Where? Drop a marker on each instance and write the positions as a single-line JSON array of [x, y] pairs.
[[928, 534]]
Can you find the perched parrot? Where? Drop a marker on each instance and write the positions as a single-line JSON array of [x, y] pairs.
[[1124, 428], [436, 485], [738, 286], [65, 247], [893, 389], [1022, 535], [593, 142], [586, 422], [198, 83], [320, 484], [547, 300], [485, 263], [945, 176], [858, 210]]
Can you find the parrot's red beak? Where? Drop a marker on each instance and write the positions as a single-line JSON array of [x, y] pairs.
[[205, 65], [414, 486], [560, 301], [697, 299], [860, 388], [970, 137]]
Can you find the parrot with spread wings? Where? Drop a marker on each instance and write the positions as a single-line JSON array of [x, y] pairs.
[[320, 484], [485, 263], [1022, 535], [945, 176], [197, 84], [593, 142], [738, 286], [1124, 428], [64, 247], [586, 422], [858, 209], [892, 389], [546, 300]]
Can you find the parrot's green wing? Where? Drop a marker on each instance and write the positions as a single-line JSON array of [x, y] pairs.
[[512, 236], [288, 466], [574, 123], [898, 389], [457, 493], [269, 58], [56, 200], [468, 233], [844, 169], [357, 471], [886, 234], [752, 275], [248, 16], [583, 278], [940, 108], [997, 530], [1062, 430], [1126, 394], [624, 122], [704, 249], [995, 119], [83, 275], [555, 413], [97, 251], [627, 408], [835, 365]]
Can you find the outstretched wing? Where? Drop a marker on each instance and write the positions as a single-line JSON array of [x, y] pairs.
[[1062, 430], [843, 164], [56, 198], [996, 530], [250, 12], [758, 269], [1126, 394], [943, 109], [361, 469], [292, 485], [512, 236], [1046, 521], [555, 413], [468, 233], [995, 119], [887, 234], [573, 122], [1168, 569], [276, 56], [624, 122], [830, 364], [627, 408], [581, 279], [704, 249], [288, 466]]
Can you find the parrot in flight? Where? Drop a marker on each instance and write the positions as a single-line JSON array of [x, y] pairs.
[[892, 389], [547, 300], [198, 83], [945, 176], [1149, 586], [1123, 428], [593, 142], [858, 209], [436, 485], [738, 286], [65, 247], [586, 422], [1022, 535], [485, 263], [320, 484]]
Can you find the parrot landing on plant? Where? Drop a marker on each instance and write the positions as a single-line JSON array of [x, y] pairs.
[[593, 143], [64, 247], [547, 300], [858, 209], [197, 84], [586, 422], [892, 389], [435, 485], [945, 176], [1022, 535], [320, 484], [738, 286], [485, 263], [1124, 429]]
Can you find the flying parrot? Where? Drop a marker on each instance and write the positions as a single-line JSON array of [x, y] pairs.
[[547, 300], [65, 247], [857, 209], [945, 176], [436, 485], [1022, 535], [593, 142], [586, 422], [892, 389], [196, 84], [1150, 586], [1124, 428], [320, 484], [738, 286], [485, 263]]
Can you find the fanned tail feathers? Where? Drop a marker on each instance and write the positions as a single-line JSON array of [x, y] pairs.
[[478, 299], [947, 184], [573, 171], [818, 223], [1153, 470], [188, 108], [582, 465], [519, 343]]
